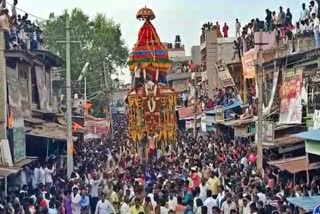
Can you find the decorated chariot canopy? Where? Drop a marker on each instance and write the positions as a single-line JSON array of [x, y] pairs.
[[148, 52]]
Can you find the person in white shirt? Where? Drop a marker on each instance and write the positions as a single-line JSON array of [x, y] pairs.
[[173, 202], [35, 179], [304, 14], [49, 171], [228, 205], [244, 162], [104, 206], [42, 176], [203, 190], [13, 8], [210, 202], [238, 28], [313, 8], [261, 195], [94, 191], [125, 208], [316, 24], [75, 201], [128, 187], [221, 195]]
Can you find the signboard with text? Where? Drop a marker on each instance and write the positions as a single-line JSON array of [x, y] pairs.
[[219, 114], [291, 97], [224, 74]]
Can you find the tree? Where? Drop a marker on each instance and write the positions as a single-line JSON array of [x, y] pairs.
[[100, 39]]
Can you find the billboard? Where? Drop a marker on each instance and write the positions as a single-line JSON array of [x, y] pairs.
[[224, 74], [219, 114], [291, 97], [15, 121]]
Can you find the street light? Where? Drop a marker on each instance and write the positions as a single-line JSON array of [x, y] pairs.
[[83, 75]]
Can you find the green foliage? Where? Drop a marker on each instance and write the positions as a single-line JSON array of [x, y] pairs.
[[100, 39]]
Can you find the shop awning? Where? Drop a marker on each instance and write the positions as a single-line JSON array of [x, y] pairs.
[[25, 162], [283, 141], [5, 172], [306, 203], [226, 107], [313, 134], [294, 165], [187, 112], [51, 133]]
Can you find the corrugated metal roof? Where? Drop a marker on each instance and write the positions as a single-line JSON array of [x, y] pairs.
[[294, 165], [306, 203], [309, 135]]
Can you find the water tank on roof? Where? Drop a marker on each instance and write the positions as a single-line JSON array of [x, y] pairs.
[[178, 39]]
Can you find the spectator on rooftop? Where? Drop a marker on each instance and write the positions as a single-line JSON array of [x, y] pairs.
[[5, 25], [268, 19], [288, 19], [274, 18], [218, 30], [281, 17], [304, 14], [316, 24], [225, 30], [3, 4], [13, 8], [313, 8], [238, 27]]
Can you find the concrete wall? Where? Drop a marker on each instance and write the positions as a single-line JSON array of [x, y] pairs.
[[195, 54], [211, 51], [176, 53], [225, 49], [180, 85]]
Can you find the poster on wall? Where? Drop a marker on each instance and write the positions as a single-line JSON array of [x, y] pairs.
[[42, 88], [268, 132], [224, 74], [219, 114], [203, 123], [291, 97], [248, 64], [16, 118]]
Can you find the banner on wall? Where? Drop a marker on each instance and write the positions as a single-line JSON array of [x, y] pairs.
[[42, 88], [248, 64], [291, 97], [224, 74], [16, 132], [268, 131], [203, 123]]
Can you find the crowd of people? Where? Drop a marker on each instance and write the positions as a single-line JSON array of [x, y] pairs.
[[210, 174], [282, 24], [20, 32]]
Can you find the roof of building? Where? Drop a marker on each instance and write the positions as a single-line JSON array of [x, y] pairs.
[[306, 203], [309, 135], [293, 58], [294, 165]]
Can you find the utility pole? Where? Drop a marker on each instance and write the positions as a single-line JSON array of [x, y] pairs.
[[108, 89], [260, 105], [195, 108], [69, 99]]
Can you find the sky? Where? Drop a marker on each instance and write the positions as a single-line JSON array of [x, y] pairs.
[[173, 17]]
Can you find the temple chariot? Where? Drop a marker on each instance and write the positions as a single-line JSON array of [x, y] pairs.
[[151, 101]]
